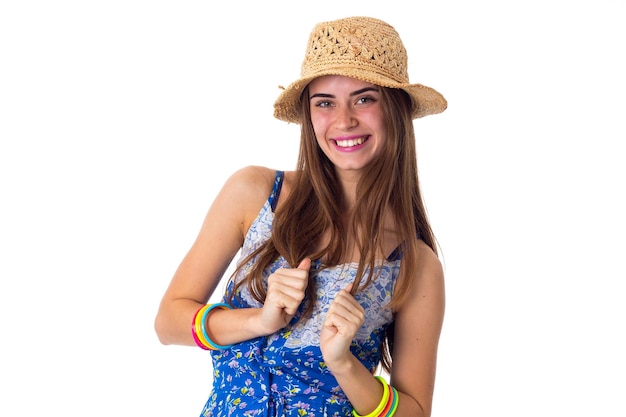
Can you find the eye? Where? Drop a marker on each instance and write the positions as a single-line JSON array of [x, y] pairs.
[[323, 104], [366, 100]]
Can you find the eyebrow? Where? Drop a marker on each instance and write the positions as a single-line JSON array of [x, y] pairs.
[[352, 94]]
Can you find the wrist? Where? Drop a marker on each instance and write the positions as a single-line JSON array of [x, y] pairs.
[[344, 366], [388, 403], [257, 325]]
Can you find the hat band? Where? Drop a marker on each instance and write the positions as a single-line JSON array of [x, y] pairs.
[[369, 73]]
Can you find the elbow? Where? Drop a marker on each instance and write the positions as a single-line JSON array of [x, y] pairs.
[[160, 330]]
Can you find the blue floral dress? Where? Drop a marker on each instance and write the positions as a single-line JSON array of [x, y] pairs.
[[284, 374]]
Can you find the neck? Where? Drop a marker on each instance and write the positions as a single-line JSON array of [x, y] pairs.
[[349, 181]]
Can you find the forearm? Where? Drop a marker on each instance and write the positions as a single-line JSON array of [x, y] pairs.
[[359, 385], [174, 322], [365, 392], [226, 327]]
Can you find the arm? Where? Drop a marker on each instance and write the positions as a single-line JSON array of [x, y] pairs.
[[417, 329], [220, 237]]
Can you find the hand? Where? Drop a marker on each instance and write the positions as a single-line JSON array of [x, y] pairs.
[[285, 292], [344, 318]]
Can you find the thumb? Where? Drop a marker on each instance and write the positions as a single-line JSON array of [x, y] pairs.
[[305, 264]]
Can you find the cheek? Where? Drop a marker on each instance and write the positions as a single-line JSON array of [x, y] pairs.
[[319, 127], [378, 126], [321, 143], [316, 118]]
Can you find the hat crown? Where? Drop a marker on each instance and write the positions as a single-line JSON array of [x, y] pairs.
[[359, 43]]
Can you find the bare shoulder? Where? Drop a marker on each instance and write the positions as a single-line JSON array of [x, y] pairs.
[[429, 279], [252, 181], [429, 262], [428, 292], [247, 189], [257, 182]]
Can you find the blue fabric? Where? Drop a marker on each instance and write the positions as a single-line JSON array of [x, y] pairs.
[[284, 374]]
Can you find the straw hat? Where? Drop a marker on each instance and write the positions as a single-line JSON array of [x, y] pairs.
[[358, 47]]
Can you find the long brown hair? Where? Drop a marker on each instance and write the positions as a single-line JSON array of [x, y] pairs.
[[313, 207]]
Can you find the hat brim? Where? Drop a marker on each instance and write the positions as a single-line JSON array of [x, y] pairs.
[[426, 100]]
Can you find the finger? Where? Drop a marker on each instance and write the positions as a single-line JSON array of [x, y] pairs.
[[342, 322], [345, 298], [347, 307], [289, 280], [347, 312], [286, 291], [292, 274], [305, 264]]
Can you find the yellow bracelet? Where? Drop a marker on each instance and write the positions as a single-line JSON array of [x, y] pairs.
[[205, 333], [195, 335], [197, 324], [199, 330], [383, 401]]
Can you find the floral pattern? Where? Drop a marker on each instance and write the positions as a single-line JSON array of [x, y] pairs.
[[284, 374]]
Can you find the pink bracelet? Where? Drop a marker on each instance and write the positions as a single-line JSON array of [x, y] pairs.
[[199, 330], [193, 330]]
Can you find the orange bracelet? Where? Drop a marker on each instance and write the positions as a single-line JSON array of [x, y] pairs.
[[196, 329], [199, 330]]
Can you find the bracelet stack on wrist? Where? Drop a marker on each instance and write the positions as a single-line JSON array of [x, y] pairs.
[[199, 330], [388, 403]]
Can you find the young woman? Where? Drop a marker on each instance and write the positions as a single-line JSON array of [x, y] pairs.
[[338, 277]]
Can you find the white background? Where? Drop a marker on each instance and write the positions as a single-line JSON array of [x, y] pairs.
[[120, 120]]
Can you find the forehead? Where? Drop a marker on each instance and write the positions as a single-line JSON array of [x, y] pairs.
[[339, 83]]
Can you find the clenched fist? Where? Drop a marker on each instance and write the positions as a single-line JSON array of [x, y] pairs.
[[285, 292], [344, 318]]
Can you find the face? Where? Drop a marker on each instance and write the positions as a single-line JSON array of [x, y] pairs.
[[348, 120]]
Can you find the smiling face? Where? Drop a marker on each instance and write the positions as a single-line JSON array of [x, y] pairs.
[[347, 119]]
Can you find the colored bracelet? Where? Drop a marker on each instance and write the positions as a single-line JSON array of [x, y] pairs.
[[392, 404], [388, 403], [207, 310], [396, 399], [199, 330], [196, 329], [195, 335]]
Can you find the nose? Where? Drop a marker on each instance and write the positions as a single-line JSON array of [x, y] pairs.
[[345, 118]]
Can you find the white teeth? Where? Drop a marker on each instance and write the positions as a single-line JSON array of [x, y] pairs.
[[350, 142]]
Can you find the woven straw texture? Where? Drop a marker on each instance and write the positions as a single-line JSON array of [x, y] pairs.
[[360, 47]]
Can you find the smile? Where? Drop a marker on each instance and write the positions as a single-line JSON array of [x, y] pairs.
[[349, 143]]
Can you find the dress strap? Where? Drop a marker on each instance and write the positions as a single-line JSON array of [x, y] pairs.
[[396, 255], [399, 251], [278, 185]]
